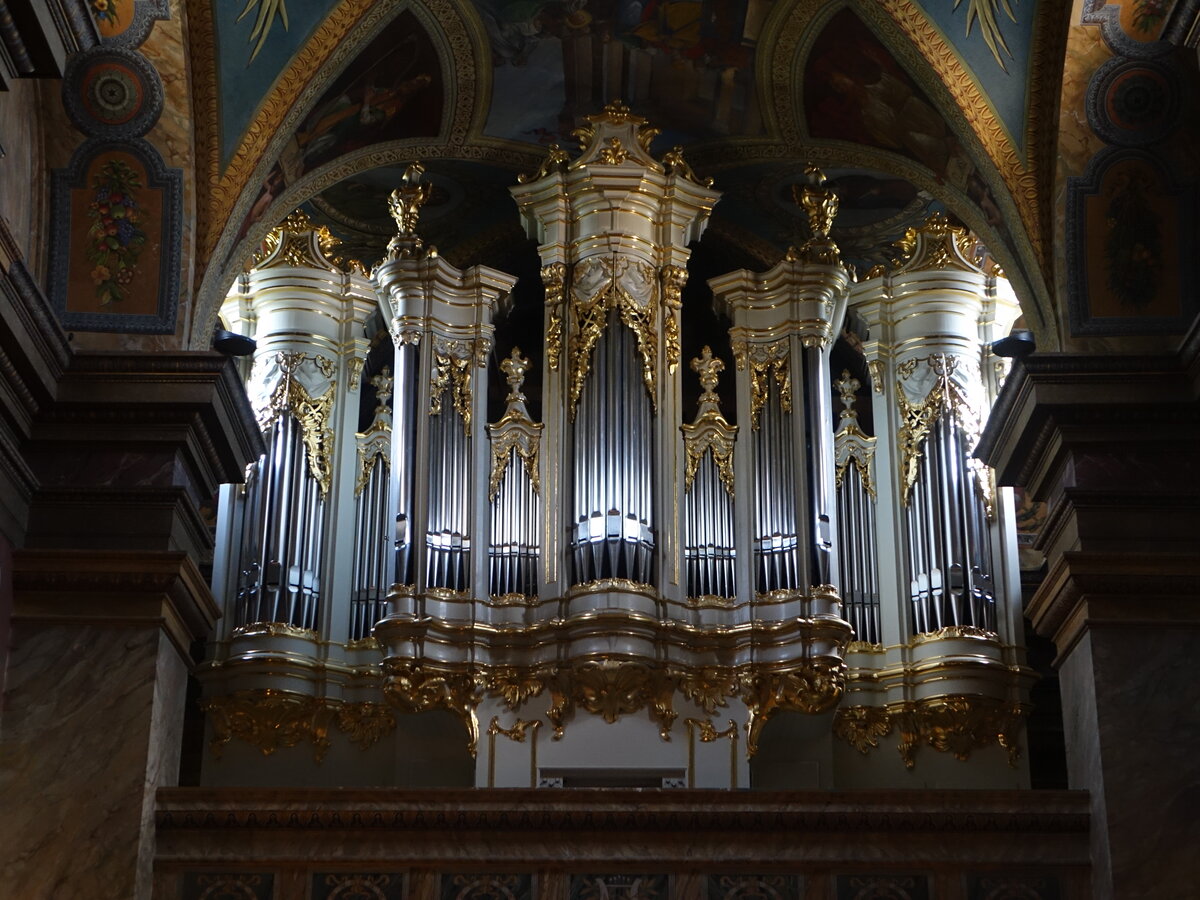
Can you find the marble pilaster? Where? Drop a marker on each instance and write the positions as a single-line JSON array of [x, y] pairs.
[[93, 711], [1110, 443]]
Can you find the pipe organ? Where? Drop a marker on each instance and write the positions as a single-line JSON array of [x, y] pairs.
[[613, 568]]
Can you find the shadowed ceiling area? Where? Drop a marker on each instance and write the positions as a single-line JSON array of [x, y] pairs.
[[754, 90]]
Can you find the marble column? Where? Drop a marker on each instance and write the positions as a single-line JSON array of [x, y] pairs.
[[107, 599], [1111, 443]]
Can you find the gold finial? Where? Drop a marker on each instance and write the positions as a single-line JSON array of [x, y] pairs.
[[674, 163], [383, 389], [514, 369], [709, 368], [555, 161], [848, 386], [820, 205], [617, 113], [405, 204]]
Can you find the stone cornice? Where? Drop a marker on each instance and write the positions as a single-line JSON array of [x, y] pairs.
[[195, 398], [111, 588], [1089, 590], [1052, 401]]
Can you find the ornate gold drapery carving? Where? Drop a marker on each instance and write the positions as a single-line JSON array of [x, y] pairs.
[[452, 361], [600, 285], [765, 360], [946, 397], [290, 397], [375, 443]]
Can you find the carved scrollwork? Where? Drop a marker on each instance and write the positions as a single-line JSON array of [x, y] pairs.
[[673, 280], [415, 688], [710, 432], [851, 445], [452, 361], [945, 397], [600, 285], [938, 245], [289, 380], [812, 688], [270, 719], [862, 726], [374, 444], [554, 278], [765, 361]]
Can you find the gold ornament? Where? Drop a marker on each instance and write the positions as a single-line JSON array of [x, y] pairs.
[[404, 204], [608, 279], [556, 161], [765, 360], [674, 163], [862, 726]]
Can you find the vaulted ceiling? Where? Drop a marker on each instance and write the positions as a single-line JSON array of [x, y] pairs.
[[910, 105]]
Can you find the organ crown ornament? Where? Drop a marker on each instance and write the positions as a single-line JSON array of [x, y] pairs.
[[298, 243], [937, 244]]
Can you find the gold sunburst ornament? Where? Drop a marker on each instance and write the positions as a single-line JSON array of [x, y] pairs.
[[267, 11], [986, 13]]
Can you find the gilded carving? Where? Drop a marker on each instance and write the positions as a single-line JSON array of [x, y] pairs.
[[851, 445], [613, 153], [765, 361], [452, 372], [556, 161], [708, 687], [269, 719], [289, 396], [673, 280], [950, 632], [710, 432], [515, 431], [298, 243], [937, 245], [611, 690], [374, 444], [404, 204], [674, 164], [917, 419], [820, 205], [953, 724], [516, 732], [514, 685], [600, 285], [812, 688], [412, 688], [554, 278], [875, 367], [862, 726], [275, 629], [364, 723], [355, 366]]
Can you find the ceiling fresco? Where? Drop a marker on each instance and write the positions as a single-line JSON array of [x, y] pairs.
[[994, 41], [255, 41], [332, 97], [686, 65]]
